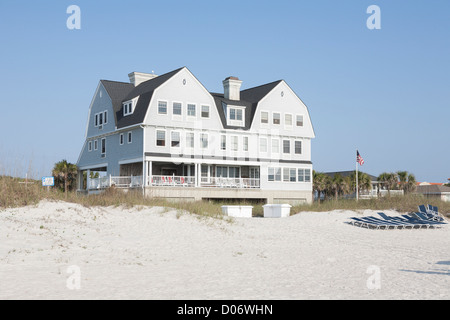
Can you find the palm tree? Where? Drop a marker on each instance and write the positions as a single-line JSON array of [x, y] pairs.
[[65, 171], [389, 180], [364, 181], [407, 181], [319, 183]]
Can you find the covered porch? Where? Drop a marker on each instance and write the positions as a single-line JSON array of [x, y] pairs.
[[203, 176], [166, 174]]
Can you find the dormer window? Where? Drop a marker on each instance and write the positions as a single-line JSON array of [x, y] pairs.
[[128, 108], [236, 116]]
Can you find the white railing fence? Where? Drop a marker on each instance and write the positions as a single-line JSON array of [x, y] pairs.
[[172, 181], [118, 182], [240, 183]]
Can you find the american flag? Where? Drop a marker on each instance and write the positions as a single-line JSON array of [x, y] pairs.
[[359, 159]]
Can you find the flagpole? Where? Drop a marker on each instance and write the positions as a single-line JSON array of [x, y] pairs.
[[357, 193]]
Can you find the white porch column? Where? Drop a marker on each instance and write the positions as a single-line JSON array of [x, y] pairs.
[[150, 173], [197, 173], [88, 178], [144, 173]]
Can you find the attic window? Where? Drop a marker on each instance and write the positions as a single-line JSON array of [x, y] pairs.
[[128, 108], [236, 116]]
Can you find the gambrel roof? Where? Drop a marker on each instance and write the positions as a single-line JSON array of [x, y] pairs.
[[121, 92], [249, 100]]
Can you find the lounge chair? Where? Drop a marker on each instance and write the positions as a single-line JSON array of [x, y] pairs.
[[368, 223], [424, 217], [378, 223], [405, 222], [433, 212]]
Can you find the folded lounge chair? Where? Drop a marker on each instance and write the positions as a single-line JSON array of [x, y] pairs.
[[413, 223], [433, 212], [426, 218]]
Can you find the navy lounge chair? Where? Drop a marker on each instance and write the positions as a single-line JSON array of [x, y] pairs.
[[403, 221], [424, 217], [362, 222]]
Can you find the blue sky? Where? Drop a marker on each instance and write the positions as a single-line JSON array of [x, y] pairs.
[[385, 92]]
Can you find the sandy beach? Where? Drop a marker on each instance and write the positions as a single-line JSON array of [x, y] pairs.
[[59, 250]]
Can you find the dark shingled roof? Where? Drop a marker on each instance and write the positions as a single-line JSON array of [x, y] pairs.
[[145, 92], [121, 92], [349, 173], [117, 90], [249, 100]]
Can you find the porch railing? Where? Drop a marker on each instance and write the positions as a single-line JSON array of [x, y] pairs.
[[172, 181], [118, 182], [239, 183]]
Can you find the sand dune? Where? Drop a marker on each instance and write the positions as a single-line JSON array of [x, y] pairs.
[[154, 253]]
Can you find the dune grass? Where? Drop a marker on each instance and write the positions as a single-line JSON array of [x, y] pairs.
[[14, 193]]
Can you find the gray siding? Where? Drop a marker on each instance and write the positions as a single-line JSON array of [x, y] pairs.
[[114, 151], [101, 103]]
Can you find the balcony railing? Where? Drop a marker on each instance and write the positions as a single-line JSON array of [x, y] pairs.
[[173, 181], [239, 183], [118, 182]]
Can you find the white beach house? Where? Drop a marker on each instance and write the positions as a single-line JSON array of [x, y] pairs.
[[173, 138]]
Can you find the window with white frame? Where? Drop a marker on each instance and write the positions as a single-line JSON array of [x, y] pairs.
[[288, 120], [292, 175], [103, 146], [90, 146], [100, 119], [262, 144], [191, 110], [95, 144], [223, 142], [286, 146], [130, 137], [271, 174], [264, 117], [190, 140], [175, 137], [307, 175], [278, 174], [162, 107], [105, 117], [205, 111], [177, 109], [234, 143], [276, 118], [127, 108], [299, 121], [160, 138], [245, 143], [204, 140], [274, 174], [236, 116], [298, 147], [96, 120], [275, 146], [121, 139], [304, 175], [286, 177]]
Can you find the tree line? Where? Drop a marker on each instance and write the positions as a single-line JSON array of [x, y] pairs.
[[338, 185]]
